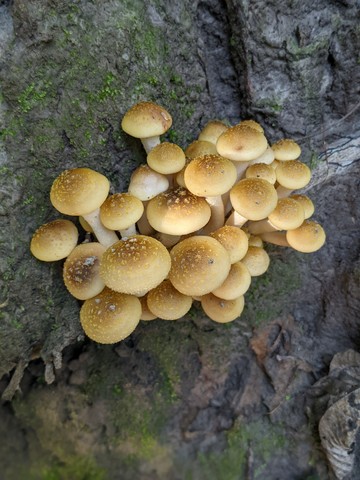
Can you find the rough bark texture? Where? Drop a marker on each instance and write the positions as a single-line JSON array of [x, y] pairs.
[[188, 399]]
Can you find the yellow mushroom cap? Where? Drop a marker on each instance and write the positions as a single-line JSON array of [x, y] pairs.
[[210, 175], [146, 119], [167, 303], [199, 264], [212, 131], [252, 124], [253, 198], [79, 191], [135, 265], [306, 203], [81, 271], [110, 316], [236, 283], [166, 158], [257, 261], [54, 240], [307, 238], [293, 174], [178, 212], [241, 143], [261, 170], [200, 147], [220, 310], [120, 211], [286, 149], [146, 315], [287, 215], [255, 241], [234, 240]]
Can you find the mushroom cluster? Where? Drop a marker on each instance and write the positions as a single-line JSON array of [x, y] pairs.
[[191, 226]]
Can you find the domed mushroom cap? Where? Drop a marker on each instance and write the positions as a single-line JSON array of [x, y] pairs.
[[256, 260], [293, 174], [54, 240], [234, 240], [200, 147], [167, 303], [199, 264], [236, 283], [146, 119], [210, 175], [253, 198], [135, 265], [178, 212], [81, 271], [241, 143], [261, 170], [121, 210], [286, 149], [307, 238], [79, 191], [252, 124], [267, 157], [306, 203], [146, 315], [166, 158], [287, 215], [212, 131], [220, 310], [109, 317]]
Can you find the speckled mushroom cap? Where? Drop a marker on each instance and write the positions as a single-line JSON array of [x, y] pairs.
[[146, 119], [261, 170], [135, 265], [81, 271], [167, 303], [54, 240], [306, 203], [252, 124], [220, 310], [236, 283], [120, 211], [241, 143], [79, 191], [307, 238], [210, 175], [200, 147], [293, 174], [212, 131], [253, 198], [178, 212], [286, 149], [199, 264], [287, 215], [256, 260], [145, 183], [109, 317], [234, 240], [166, 158]]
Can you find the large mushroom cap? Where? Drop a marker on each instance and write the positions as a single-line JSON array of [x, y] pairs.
[[307, 238], [293, 174], [241, 143], [135, 265], [220, 310], [121, 210], [253, 198], [146, 119], [167, 303], [178, 212], [54, 240], [110, 316], [81, 271], [199, 265], [79, 191]]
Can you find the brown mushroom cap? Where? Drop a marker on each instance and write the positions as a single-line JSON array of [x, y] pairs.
[[146, 119], [167, 303], [286, 149], [253, 198], [199, 265], [287, 215], [145, 183], [54, 240], [261, 170], [257, 261], [79, 191], [120, 211], [166, 158], [241, 143], [200, 147], [110, 316], [236, 283], [210, 175], [293, 174], [220, 310], [177, 212], [212, 131], [81, 271], [234, 240], [135, 265], [306, 203], [307, 238]]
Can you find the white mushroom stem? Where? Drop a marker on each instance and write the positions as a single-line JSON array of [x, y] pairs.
[[261, 226], [217, 214], [241, 169], [105, 236], [150, 142], [236, 220], [283, 192], [276, 238], [127, 232]]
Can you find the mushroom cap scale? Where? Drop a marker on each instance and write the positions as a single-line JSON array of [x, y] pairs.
[[110, 316], [120, 211], [54, 240], [167, 303], [253, 198], [241, 143], [79, 191], [145, 120], [220, 310]]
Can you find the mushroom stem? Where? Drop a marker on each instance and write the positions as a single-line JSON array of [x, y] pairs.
[[241, 169], [127, 232], [261, 226], [217, 214], [276, 238], [143, 224], [283, 192], [105, 236], [167, 240], [236, 220], [150, 142]]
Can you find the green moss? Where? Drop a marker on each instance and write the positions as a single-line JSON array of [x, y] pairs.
[[77, 468], [306, 51]]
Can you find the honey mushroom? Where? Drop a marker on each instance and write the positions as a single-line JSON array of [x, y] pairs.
[[257, 261], [212, 131], [220, 310], [146, 315], [54, 240], [291, 175], [261, 170], [234, 240], [168, 159], [167, 303], [120, 212], [236, 283], [286, 149], [306, 203]]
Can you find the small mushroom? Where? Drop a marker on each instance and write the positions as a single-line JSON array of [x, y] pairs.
[[212, 131], [256, 260], [236, 283], [200, 147], [121, 211], [167, 303], [234, 240], [54, 240], [220, 310], [286, 149], [291, 175], [168, 159]]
